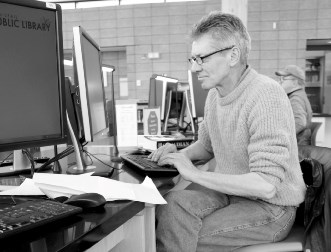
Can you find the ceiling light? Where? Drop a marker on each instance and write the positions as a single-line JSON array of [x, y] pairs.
[[108, 69], [166, 79]]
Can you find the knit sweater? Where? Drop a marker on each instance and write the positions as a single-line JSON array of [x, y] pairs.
[[302, 114], [252, 129]]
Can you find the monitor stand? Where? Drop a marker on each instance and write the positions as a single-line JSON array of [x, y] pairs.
[[81, 158], [21, 164], [186, 106], [114, 155], [167, 110]]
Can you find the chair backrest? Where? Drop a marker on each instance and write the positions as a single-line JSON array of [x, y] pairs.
[[321, 154], [295, 240], [314, 128]]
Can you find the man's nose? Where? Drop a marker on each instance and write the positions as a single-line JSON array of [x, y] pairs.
[[195, 67]]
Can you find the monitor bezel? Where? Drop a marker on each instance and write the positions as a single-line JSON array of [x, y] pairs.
[[63, 137]]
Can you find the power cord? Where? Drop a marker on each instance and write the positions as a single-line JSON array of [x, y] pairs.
[[31, 159], [4, 160], [61, 155], [94, 156]]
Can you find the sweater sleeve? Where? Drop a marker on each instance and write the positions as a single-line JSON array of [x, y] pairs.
[[272, 131], [203, 133]]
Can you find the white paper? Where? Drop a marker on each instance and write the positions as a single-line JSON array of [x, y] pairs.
[[126, 123], [109, 188], [26, 188], [147, 192], [55, 185]]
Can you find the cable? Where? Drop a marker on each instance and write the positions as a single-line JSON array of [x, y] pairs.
[[89, 156], [88, 153], [67, 152], [31, 159], [61, 155], [6, 158], [187, 125]]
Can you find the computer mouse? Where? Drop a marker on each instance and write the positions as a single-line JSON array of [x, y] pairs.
[[87, 200], [61, 199]]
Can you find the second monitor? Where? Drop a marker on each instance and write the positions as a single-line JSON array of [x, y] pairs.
[[162, 90], [193, 101], [89, 99]]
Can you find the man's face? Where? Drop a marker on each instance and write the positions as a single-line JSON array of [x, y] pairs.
[[214, 69], [288, 83]]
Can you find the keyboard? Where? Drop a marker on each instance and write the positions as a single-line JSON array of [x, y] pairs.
[[143, 164], [15, 219]]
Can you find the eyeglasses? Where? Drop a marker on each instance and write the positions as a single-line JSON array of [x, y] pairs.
[[200, 59], [285, 78]]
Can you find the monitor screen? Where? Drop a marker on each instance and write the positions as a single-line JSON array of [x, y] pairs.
[[162, 93], [176, 103], [32, 103], [88, 77], [158, 89], [198, 95]]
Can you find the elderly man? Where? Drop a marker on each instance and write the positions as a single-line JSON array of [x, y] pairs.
[[252, 195], [292, 79]]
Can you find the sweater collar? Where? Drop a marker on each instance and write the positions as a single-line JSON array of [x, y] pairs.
[[244, 81]]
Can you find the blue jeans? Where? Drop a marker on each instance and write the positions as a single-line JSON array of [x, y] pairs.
[[205, 220]]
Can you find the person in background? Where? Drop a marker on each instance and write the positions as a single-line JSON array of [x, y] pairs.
[[292, 79], [252, 194]]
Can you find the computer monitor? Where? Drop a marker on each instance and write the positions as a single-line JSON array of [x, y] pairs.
[[32, 104], [161, 92], [197, 97], [90, 96]]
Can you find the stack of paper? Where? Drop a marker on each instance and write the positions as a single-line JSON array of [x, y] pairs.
[[55, 185]]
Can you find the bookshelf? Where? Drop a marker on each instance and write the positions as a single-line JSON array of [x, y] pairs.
[[314, 83]]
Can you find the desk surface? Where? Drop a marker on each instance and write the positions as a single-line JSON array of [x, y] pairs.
[[84, 230]]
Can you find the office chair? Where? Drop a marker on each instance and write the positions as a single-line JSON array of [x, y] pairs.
[[293, 243], [314, 128], [295, 239]]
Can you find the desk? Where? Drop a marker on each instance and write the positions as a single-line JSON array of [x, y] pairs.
[[121, 226]]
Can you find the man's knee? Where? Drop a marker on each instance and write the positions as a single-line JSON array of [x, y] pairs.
[[176, 200]]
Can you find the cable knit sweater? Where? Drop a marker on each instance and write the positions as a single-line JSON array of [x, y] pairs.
[[252, 129]]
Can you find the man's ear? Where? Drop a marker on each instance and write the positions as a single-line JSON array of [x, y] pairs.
[[235, 56]]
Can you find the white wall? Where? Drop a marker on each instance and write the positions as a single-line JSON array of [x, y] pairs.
[[237, 7]]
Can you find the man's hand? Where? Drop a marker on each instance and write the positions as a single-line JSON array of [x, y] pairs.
[[163, 150], [182, 163]]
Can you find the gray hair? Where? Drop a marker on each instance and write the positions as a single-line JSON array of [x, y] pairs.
[[226, 28]]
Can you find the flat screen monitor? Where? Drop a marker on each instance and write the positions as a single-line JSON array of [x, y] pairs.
[[90, 96], [87, 60], [32, 103], [198, 95], [162, 91]]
